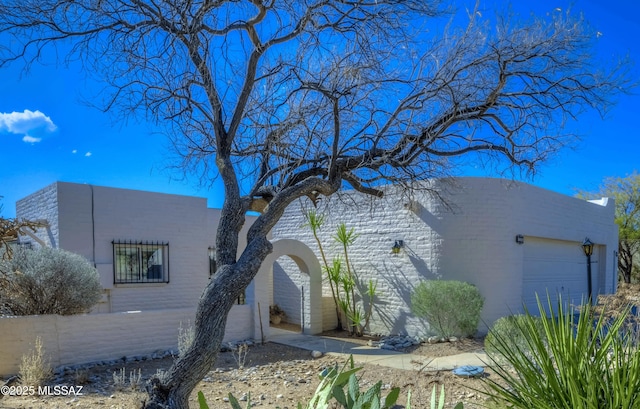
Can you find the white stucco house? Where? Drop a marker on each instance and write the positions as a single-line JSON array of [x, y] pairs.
[[510, 239]]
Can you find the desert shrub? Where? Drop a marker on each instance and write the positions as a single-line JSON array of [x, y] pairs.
[[508, 329], [121, 383], [452, 308], [35, 369], [578, 361], [48, 281]]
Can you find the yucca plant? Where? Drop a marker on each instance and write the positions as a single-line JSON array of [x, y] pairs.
[[579, 360]]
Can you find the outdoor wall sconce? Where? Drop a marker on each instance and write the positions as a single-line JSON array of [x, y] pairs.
[[397, 246], [587, 247], [520, 239]]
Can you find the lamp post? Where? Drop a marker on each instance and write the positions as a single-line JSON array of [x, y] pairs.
[[587, 247]]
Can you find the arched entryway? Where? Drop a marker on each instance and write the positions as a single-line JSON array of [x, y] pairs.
[[309, 315]]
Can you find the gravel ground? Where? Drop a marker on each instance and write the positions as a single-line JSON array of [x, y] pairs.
[[280, 376], [272, 375]]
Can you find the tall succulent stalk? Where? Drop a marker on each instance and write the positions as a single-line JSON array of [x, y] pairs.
[[314, 222], [346, 238], [342, 277]]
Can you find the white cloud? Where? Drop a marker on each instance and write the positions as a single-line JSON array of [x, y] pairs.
[[87, 154], [26, 123], [74, 151], [31, 139]]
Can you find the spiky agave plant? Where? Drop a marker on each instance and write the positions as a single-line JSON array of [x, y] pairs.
[[579, 360]]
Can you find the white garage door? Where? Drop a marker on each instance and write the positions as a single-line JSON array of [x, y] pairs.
[[556, 267]]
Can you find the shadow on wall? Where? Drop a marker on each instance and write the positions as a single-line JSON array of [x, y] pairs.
[[428, 218], [393, 283], [286, 293]]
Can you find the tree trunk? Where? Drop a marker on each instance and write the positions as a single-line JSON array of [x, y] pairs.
[[193, 366], [625, 261], [211, 316]]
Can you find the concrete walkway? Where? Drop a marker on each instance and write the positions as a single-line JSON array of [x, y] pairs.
[[369, 355]]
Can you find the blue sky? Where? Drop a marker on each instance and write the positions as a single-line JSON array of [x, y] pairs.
[[47, 134]]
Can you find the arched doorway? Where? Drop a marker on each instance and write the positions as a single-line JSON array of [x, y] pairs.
[[308, 296]]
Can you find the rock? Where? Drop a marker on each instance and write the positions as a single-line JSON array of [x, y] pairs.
[[433, 340], [453, 339], [316, 354]]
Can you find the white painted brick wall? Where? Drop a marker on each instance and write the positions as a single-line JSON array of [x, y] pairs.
[[329, 317], [471, 239], [287, 293], [76, 339], [41, 205]]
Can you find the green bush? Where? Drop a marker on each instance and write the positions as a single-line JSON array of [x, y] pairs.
[[452, 308], [577, 361], [509, 330], [47, 281]]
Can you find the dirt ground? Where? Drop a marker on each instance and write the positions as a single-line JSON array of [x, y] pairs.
[[274, 375]]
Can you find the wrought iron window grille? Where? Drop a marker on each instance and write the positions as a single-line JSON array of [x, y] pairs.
[[140, 262]]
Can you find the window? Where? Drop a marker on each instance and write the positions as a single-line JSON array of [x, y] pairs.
[[140, 262]]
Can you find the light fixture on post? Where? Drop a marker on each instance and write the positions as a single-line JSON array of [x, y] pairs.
[[397, 246], [520, 239], [212, 261], [587, 248]]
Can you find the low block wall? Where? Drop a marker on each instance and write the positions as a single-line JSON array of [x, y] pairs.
[[76, 339]]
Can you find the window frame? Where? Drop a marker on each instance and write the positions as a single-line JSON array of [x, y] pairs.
[[141, 254]]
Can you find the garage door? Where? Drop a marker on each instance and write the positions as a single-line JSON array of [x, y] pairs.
[[556, 267]]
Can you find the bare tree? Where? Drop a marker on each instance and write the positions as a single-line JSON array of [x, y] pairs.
[[626, 193], [9, 231], [286, 99]]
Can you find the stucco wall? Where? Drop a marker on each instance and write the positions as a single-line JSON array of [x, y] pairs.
[[86, 219], [470, 236], [76, 339], [91, 217]]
